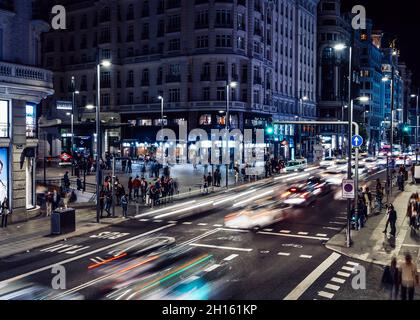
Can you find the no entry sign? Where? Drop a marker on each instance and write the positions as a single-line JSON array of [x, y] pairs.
[[348, 189]]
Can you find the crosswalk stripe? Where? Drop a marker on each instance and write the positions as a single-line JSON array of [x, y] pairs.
[[144, 220], [331, 228], [157, 221], [335, 222], [268, 230], [231, 257], [321, 235], [284, 231], [187, 223], [350, 269], [332, 287], [214, 267], [202, 224], [326, 294], [343, 274], [303, 233], [218, 225], [172, 222], [338, 280], [354, 264]]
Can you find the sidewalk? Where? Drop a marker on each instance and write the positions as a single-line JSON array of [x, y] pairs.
[[371, 245], [26, 236]]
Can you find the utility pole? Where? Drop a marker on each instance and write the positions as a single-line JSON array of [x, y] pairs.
[[349, 136]]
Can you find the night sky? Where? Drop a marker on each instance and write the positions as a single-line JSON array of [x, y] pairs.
[[398, 19]]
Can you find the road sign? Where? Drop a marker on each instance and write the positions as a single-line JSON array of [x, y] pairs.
[[356, 141], [348, 189]]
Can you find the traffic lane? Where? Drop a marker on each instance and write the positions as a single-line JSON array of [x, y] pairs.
[[62, 251], [275, 265]]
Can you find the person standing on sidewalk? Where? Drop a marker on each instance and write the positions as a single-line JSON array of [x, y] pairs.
[[130, 189], [368, 200], [136, 187], [400, 181], [379, 194], [49, 202], [124, 205], [409, 278], [391, 279], [392, 220], [4, 212], [130, 166]]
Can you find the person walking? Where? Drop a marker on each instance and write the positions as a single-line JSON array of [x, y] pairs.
[[367, 195], [66, 180], [409, 278], [391, 279], [379, 195], [400, 181], [124, 205], [130, 189], [209, 180], [4, 212], [136, 187], [102, 202], [130, 166], [392, 220], [412, 211], [56, 199], [108, 204], [49, 202]]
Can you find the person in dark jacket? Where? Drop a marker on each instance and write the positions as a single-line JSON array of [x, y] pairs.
[[392, 220], [4, 212], [391, 279]]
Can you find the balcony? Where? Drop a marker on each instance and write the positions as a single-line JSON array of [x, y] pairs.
[[39, 79], [173, 78]]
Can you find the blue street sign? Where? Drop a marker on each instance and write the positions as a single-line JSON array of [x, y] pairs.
[[356, 141]]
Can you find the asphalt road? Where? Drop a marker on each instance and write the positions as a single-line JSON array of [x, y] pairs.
[[287, 260]]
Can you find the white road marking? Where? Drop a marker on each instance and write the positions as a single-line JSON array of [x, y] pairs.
[[164, 209], [341, 218], [321, 235], [219, 247], [285, 231], [203, 224], [94, 261], [343, 274], [303, 233], [218, 225], [338, 280], [335, 222], [294, 236], [231, 257], [350, 269], [332, 287], [100, 259], [212, 268], [354, 264], [268, 230], [172, 221], [86, 254], [284, 254], [144, 220], [157, 221], [326, 294], [331, 228], [187, 223], [297, 292], [304, 256]]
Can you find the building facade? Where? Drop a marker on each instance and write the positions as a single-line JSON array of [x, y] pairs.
[[23, 86], [188, 52]]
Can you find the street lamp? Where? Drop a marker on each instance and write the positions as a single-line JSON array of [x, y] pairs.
[[229, 85], [341, 47], [301, 100], [161, 122], [417, 123], [74, 93], [105, 64]]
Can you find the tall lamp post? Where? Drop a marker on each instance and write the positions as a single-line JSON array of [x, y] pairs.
[[105, 64], [161, 123], [73, 104], [417, 124], [229, 85], [341, 47], [301, 100]]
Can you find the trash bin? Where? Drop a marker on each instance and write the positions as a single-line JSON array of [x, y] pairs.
[[63, 221]]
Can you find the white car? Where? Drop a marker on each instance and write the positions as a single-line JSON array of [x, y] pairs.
[[257, 216], [327, 162]]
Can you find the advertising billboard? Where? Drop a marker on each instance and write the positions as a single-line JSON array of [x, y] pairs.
[[4, 173]]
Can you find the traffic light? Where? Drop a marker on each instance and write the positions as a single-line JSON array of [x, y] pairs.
[[269, 130], [406, 128]]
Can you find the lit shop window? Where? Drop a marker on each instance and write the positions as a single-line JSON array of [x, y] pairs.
[[4, 119], [205, 120]]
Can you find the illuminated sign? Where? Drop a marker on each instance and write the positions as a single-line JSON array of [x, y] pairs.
[[64, 105]]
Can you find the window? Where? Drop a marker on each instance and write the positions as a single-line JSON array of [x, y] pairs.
[[223, 18], [174, 95], [206, 94], [202, 42], [174, 23], [145, 77], [130, 79], [174, 45], [205, 120], [30, 121], [202, 19], [221, 94], [224, 41], [221, 71], [106, 79], [145, 97], [105, 99], [241, 43], [130, 34], [241, 21], [130, 98], [205, 73], [145, 122]]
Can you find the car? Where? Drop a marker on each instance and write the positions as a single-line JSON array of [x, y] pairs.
[[370, 160], [327, 162], [301, 195], [361, 168], [318, 185], [296, 165], [257, 216], [401, 161], [341, 162]]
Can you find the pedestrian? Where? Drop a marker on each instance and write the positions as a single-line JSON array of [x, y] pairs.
[[108, 204], [368, 201], [205, 186], [124, 205], [136, 186], [130, 166], [102, 202], [4, 212], [236, 174], [49, 202], [209, 180], [56, 199], [79, 184], [413, 170], [392, 220], [391, 279], [66, 199], [412, 211], [409, 278], [66, 180], [379, 195], [400, 181], [130, 188]]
